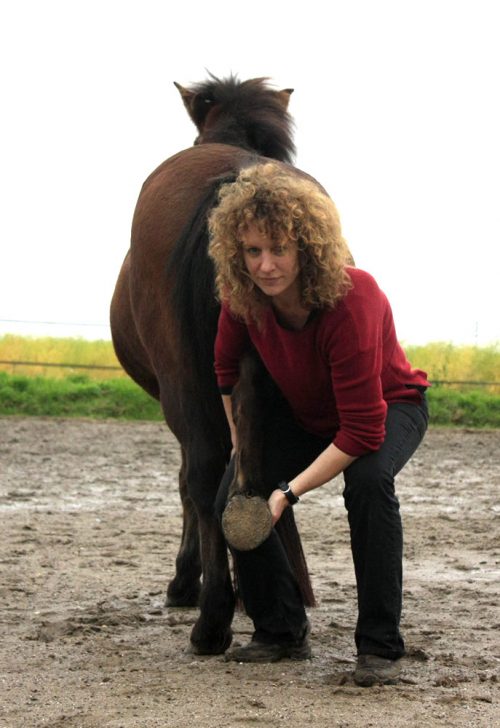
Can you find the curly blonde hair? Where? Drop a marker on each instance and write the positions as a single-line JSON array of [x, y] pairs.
[[287, 204]]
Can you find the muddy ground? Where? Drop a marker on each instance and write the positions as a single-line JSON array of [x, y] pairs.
[[90, 524]]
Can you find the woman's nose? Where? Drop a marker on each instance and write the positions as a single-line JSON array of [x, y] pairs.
[[266, 261]]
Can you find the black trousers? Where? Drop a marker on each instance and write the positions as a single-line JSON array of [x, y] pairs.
[[268, 588]]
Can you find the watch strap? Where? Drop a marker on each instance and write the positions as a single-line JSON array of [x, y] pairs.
[[290, 495]]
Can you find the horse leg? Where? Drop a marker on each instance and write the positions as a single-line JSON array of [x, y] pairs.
[[184, 589], [254, 402], [211, 633]]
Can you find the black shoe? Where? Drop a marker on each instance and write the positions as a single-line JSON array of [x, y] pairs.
[[268, 652], [374, 670], [271, 652]]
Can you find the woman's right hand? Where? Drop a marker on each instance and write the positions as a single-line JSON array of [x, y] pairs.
[[277, 503]]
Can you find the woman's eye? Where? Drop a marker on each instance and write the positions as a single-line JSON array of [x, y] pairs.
[[279, 249], [252, 251]]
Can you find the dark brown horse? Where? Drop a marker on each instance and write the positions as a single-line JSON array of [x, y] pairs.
[[164, 318]]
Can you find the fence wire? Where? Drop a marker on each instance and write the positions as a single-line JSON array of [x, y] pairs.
[[109, 367]]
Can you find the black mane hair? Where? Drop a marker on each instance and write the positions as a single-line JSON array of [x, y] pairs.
[[247, 114]]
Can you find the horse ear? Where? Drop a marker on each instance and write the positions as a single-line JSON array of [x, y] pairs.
[[284, 97], [187, 98]]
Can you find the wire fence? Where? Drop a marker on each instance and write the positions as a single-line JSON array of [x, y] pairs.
[[60, 365], [77, 324], [14, 363]]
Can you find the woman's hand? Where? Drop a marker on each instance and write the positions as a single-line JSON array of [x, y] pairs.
[[277, 503]]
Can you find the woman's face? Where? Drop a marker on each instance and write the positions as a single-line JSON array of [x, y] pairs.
[[272, 266]]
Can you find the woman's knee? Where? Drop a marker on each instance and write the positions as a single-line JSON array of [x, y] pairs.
[[367, 479]]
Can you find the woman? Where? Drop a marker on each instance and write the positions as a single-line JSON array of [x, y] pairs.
[[349, 402]]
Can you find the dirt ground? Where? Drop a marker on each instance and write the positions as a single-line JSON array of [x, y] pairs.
[[90, 527]]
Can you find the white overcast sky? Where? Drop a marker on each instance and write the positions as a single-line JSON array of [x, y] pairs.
[[396, 105]]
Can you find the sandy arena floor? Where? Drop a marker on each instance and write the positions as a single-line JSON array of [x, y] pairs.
[[90, 527]]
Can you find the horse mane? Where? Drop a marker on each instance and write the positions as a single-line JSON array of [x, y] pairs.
[[247, 114]]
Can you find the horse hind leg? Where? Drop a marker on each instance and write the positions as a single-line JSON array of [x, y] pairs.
[[211, 633], [184, 588]]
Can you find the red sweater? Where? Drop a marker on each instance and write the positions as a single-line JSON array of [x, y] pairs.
[[338, 373]]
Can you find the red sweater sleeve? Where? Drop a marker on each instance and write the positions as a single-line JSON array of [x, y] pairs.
[[355, 349], [231, 342]]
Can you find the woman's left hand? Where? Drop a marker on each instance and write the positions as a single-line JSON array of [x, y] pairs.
[[277, 503]]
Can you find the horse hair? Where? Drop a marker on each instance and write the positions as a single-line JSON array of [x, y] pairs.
[[250, 115], [197, 315]]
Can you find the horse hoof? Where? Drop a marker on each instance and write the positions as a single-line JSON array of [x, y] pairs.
[[246, 521], [216, 646]]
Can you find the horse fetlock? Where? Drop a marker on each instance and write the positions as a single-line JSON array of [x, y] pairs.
[[180, 594]]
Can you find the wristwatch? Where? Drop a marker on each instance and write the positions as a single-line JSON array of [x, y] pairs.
[[290, 495]]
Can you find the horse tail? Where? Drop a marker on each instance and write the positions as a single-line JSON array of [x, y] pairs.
[[194, 304], [290, 538]]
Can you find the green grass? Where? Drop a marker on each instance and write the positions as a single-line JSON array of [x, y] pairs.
[[75, 396], [83, 396], [452, 407]]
